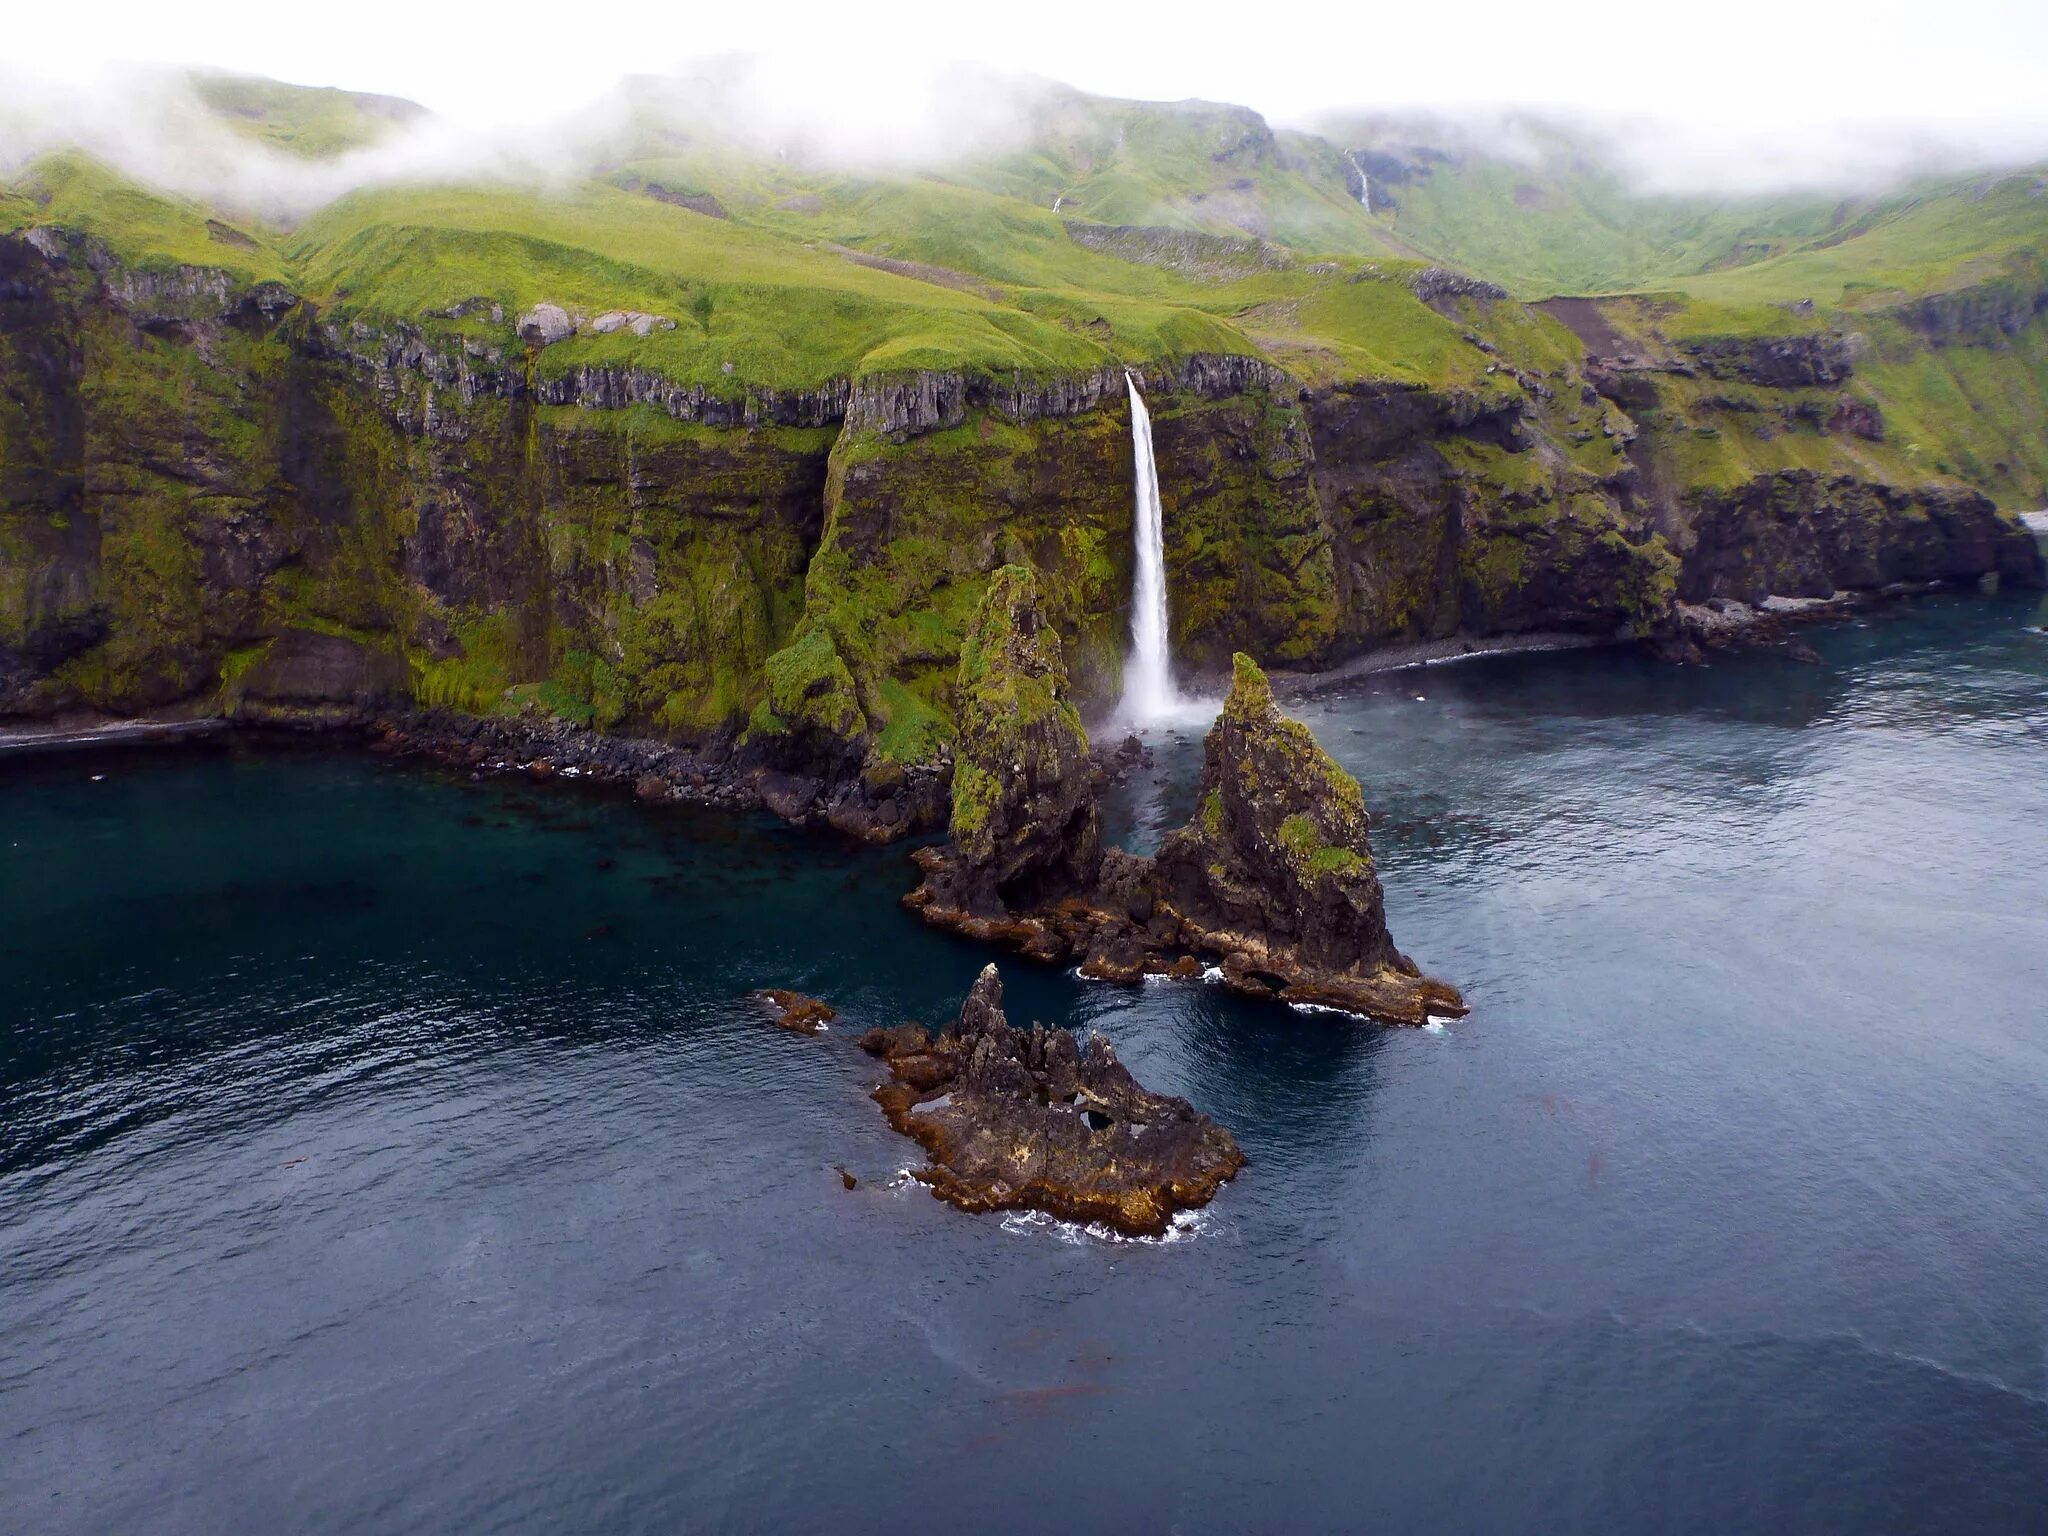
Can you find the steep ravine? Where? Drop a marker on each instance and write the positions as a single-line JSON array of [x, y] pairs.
[[212, 497]]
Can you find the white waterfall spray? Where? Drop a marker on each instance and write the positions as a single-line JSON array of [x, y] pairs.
[[1364, 184], [1150, 697]]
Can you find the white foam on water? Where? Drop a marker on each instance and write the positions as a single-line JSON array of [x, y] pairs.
[[1184, 1227]]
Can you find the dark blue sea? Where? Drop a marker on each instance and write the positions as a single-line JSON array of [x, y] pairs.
[[383, 1151]]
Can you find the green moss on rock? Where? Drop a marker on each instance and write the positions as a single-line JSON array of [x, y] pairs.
[[1023, 799]]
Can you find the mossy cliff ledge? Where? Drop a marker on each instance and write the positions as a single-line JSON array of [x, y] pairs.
[[1015, 1119], [1272, 882]]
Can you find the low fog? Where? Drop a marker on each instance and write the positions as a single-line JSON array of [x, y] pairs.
[[542, 117]]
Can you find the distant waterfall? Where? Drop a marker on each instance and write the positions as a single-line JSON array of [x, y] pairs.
[[1149, 693], [1364, 184]]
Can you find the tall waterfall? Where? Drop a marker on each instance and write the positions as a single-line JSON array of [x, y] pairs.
[[1149, 694], [1364, 183]]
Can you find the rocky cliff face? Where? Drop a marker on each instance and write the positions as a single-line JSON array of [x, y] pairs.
[[194, 471], [1986, 313], [1801, 534], [1471, 513]]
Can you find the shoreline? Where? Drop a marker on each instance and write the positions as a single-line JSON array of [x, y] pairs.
[[1294, 682], [43, 737], [655, 770]]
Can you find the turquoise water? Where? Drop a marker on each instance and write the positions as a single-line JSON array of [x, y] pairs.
[[381, 1151]]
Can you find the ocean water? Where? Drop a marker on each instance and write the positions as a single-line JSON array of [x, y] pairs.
[[386, 1152]]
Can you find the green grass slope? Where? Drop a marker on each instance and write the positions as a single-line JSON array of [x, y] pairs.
[[1935, 238], [782, 311], [812, 277], [787, 273], [1557, 215], [312, 122], [146, 229], [1191, 164]]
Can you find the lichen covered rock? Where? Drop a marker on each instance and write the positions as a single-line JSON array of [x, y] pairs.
[[810, 702], [1031, 1119]]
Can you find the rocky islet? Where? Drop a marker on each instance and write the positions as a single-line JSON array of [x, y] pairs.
[[1032, 1119]]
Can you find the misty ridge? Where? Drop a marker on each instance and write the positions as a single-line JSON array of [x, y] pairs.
[[202, 134]]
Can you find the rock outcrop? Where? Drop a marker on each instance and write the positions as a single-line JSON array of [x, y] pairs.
[[1775, 362], [1435, 285], [1272, 882], [1186, 251], [905, 405], [545, 324], [1031, 1119], [1801, 534], [1990, 313]]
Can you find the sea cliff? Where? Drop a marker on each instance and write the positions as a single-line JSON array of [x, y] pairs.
[[217, 496]]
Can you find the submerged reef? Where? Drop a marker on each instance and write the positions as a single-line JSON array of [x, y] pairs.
[[793, 1011]]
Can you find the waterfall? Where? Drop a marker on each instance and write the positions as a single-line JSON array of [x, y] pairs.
[[1364, 183], [1149, 694]]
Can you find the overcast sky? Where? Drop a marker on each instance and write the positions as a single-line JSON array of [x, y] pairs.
[[1738, 73]]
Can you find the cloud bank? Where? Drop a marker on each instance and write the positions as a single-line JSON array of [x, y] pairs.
[[1768, 98]]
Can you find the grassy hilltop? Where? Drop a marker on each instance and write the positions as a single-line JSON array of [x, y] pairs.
[[1181, 228]]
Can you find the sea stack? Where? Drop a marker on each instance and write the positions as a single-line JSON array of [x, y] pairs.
[[1275, 873], [1272, 882]]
